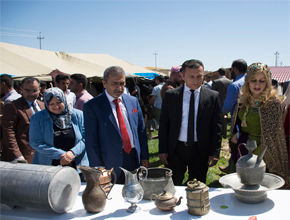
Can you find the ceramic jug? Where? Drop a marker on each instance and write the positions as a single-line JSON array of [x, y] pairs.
[[132, 190], [251, 168], [94, 197]]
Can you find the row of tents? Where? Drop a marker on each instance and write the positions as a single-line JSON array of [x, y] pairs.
[[19, 62]]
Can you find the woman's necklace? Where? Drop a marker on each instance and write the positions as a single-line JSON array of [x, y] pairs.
[[256, 102]]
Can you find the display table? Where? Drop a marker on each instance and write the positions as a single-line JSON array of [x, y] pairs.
[[277, 205]]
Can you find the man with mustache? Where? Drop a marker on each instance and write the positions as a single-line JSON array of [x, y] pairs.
[[115, 131], [16, 121]]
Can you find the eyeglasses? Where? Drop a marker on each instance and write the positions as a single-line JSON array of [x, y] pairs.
[[57, 133]]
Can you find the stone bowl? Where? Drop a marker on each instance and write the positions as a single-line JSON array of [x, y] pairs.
[[254, 193]]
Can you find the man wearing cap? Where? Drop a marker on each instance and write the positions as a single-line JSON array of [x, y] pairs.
[[174, 80]]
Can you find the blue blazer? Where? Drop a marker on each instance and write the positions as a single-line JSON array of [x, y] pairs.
[[41, 138], [103, 138]]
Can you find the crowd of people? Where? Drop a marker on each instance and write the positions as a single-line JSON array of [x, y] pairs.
[[65, 125]]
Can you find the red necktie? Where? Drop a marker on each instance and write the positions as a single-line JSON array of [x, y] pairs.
[[123, 128]]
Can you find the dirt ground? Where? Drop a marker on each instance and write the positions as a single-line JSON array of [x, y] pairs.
[[226, 150]]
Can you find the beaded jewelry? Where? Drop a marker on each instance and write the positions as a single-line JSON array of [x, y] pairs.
[[259, 66], [257, 101]]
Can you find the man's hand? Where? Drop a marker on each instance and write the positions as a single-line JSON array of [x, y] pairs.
[[145, 163], [163, 158], [212, 161], [19, 158], [67, 158], [234, 139], [152, 100]]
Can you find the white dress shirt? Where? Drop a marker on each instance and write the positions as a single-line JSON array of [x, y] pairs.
[[185, 110], [124, 113], [70, 98]]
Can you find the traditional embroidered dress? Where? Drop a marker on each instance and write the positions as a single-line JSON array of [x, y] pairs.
[[272, 135], [287, 132]]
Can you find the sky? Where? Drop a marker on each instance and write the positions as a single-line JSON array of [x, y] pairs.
[[215, 32]]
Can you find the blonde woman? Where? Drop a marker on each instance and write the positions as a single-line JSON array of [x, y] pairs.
[[258, 116], [286, 106]]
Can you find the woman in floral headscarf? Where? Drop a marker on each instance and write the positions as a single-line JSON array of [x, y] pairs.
[[259, 117], [57, 132]]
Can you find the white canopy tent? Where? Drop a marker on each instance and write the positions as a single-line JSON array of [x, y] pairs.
[[22, 61]]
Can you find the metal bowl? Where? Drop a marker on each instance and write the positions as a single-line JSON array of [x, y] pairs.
[[158, 179], [255, 193]]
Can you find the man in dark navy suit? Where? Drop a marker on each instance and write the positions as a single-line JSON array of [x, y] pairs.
[[115, 131], [190, 126]]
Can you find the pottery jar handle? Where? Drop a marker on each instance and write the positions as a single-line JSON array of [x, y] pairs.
[[143, 168], [168, 175], [153, 195], [192, 184], [103, 191], [115, 179], [239, 149]]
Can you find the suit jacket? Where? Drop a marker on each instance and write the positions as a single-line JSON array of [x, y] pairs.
[[15, 127], [103, 138], [221, 85], [208, 122], [42, 138]]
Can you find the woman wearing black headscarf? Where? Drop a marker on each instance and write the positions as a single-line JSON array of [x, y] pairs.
[[57, 133]]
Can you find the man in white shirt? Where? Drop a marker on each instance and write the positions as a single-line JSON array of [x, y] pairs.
[[190, 126], [156, 99], [62, 82], [115, 130], [7, 89], [16, 121], [209, 81]]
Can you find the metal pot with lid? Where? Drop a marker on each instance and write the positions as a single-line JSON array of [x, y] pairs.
[[158, 179], [197, 198], [166, 201]]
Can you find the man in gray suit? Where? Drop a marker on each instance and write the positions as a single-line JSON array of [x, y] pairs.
[[221, 85]]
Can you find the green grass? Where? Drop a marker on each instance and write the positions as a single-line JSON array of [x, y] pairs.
[[213, 173]]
